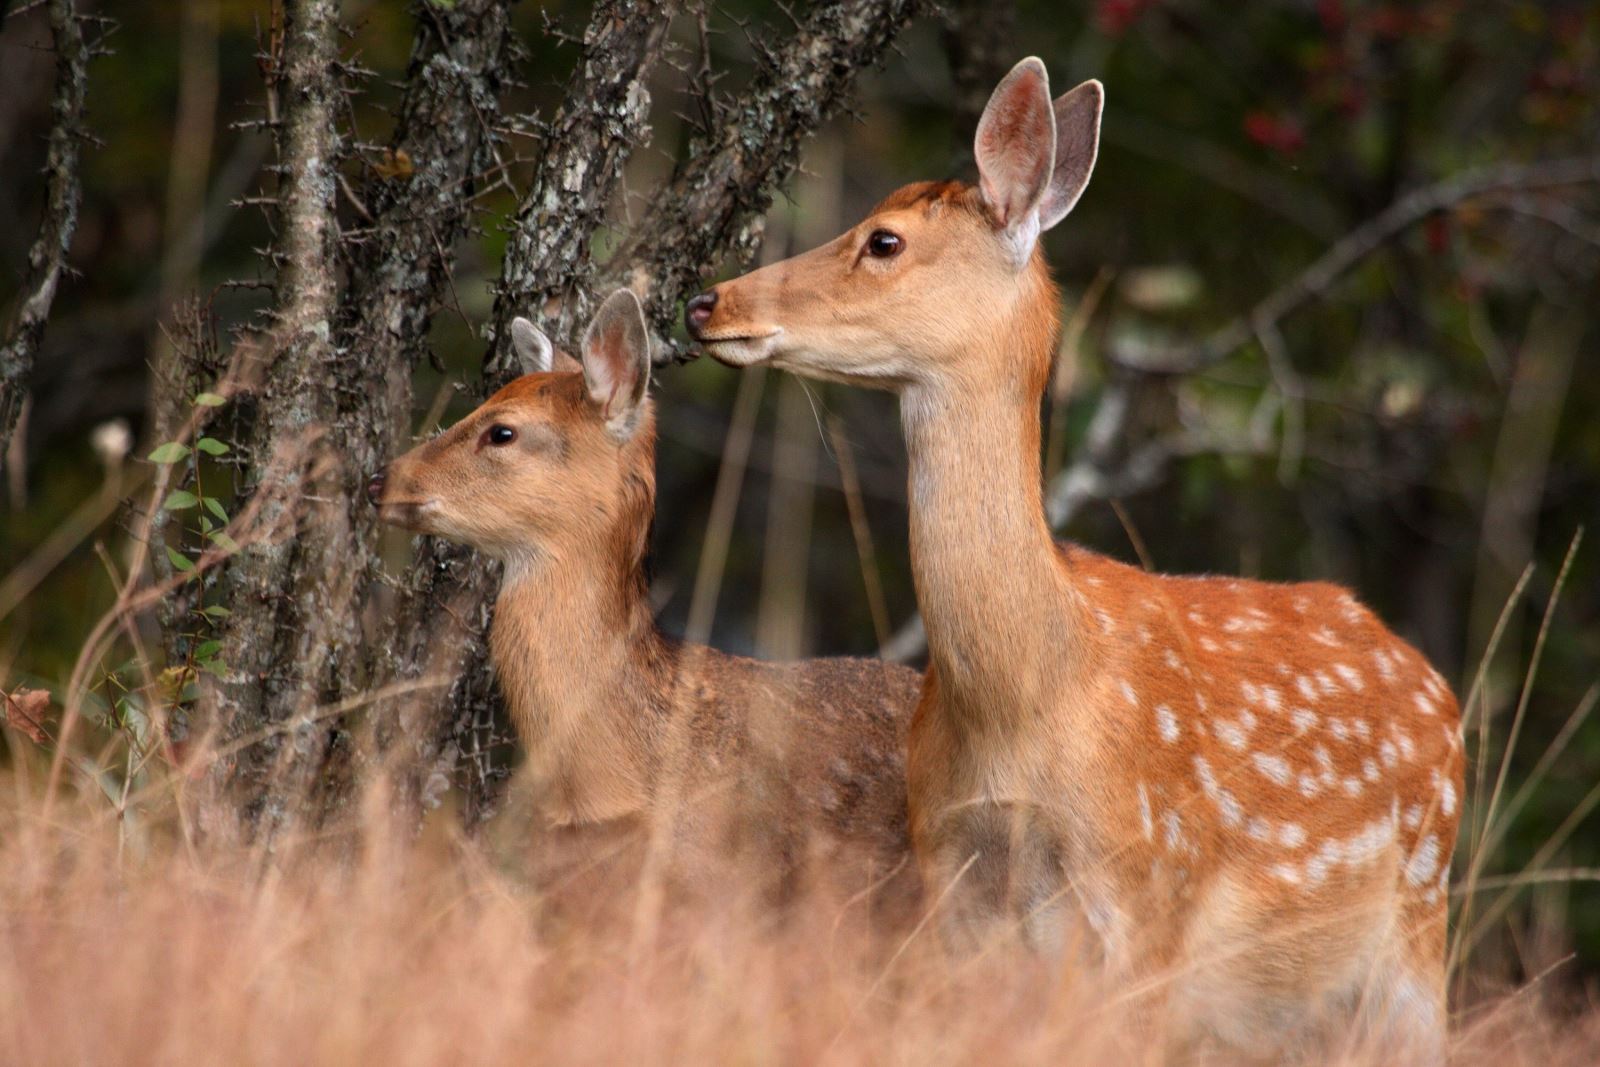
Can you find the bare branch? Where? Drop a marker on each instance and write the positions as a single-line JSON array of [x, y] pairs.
[[47, 258], [1356, 246], [605, 117], [710, 207]]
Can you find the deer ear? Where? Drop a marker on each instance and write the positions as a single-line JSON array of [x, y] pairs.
[[533, 349], [616, 361], [1077, 146], [535, 353], [1015, 148]]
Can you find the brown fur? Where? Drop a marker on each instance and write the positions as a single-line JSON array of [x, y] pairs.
[[1115, 760], [773, 764]]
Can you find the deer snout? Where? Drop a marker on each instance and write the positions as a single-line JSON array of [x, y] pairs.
[[375, 485], [698, 312]]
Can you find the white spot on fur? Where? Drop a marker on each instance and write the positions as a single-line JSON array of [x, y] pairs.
[[1307, 690], [1275, 767], [1338, 729], [1324, 636], [1352, 786], [1144, 813], [1308, 785], [1424, 862], [1271, 698], [1258, 829], [1174, 829], [1229, 734], [1167, 723], [1303, 719], [1369, 769], [1350, 675], [1389, 754], [1286, 872], [1209, 645], [1291, 835], [1413, 816], [1447, 797], [1424, 705], [1128, 692], [1385, 666], [1106, 625]]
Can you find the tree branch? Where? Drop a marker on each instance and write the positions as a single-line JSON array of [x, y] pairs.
[[47, 258], [1356, 246], [606, 116], [710, 207]]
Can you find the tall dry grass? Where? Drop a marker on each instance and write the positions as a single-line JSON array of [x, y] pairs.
[[376, 946]]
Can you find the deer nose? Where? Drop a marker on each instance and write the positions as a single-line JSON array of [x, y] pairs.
[[698, 312], [375, 486]]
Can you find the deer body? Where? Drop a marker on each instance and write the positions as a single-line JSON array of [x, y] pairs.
[[626, 729], [1237, 796]]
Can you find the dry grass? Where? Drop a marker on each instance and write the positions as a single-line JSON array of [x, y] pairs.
[[438, 951]]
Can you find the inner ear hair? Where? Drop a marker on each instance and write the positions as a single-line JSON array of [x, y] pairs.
[[1015, 152], [616, 360]]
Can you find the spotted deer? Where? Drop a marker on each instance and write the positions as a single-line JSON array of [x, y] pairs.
[[1242, 796], [554, 476]]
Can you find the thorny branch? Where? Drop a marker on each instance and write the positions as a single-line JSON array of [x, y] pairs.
[[605, 117], [47, 258], [711, 206]]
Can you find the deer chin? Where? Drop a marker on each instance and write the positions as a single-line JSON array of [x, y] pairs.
[[410, 515], [745, 350]]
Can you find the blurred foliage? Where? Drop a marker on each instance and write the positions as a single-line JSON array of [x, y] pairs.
[[1428, 432]]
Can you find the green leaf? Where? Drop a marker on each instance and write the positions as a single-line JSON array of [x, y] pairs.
[[223, 541], [215, 611], [171, 452], [206, 525], [215, 507], [213, 666], [179, 560], [210, 400], [179, 500], [207, 649], [211, 446]]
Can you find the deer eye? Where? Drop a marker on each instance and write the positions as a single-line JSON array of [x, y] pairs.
[[881, 244], [499, 434]]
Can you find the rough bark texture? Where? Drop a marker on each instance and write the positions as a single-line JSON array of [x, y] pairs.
[[288, 636], [711, 207], [47, 258], [337, 396]]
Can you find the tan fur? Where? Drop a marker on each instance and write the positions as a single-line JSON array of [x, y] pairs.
[[1240, 796], [772, 763]]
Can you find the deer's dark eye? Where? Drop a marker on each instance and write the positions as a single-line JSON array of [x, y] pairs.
[[881, 244], [499, 435]]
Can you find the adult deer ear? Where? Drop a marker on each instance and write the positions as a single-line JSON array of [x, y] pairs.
[[1016, 151], [535, 354], [616, 361], [1077, 146]]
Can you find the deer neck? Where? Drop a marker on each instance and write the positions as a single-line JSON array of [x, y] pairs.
[[573, 644], [998, 605]]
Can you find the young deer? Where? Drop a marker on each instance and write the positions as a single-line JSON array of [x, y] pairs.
[[1242, 794], [554, 475]]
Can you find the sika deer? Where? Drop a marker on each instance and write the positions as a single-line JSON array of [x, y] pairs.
[[554, 475], [1244, 795]]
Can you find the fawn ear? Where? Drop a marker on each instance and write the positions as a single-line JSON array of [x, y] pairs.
[[1077, 145], [533, 349], [535, 353], [616, 361], [1015, 148]]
